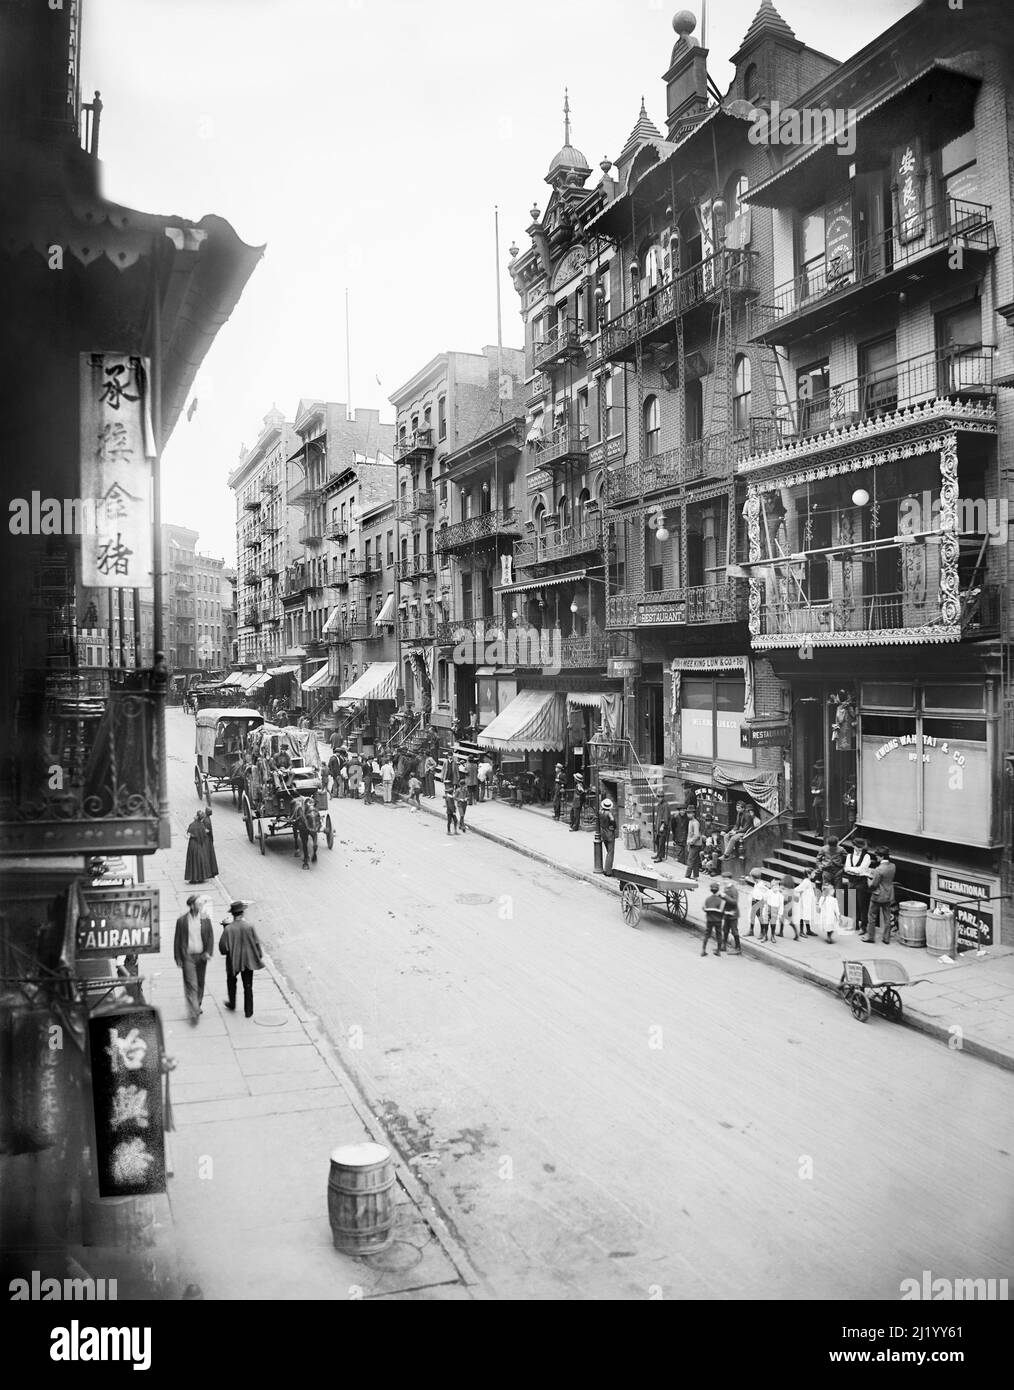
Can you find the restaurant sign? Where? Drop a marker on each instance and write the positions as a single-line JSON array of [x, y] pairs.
[[118, 921], [126, 1068], [618, 667], [660, 614], [773, 735]]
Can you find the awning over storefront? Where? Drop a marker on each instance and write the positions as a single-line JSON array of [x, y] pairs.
[[608, 703], [570, 578], [586, 699], [533, 722], [319, 679], [282, 671], [386, 614], [248, 681], [378, 682]]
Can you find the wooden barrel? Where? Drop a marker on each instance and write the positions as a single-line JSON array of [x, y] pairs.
[[360, 1198], [912, 924]]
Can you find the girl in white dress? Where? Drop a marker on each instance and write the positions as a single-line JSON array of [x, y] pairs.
[[806, 906], [828, 911]]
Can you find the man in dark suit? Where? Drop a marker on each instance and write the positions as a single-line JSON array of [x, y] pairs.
[[558, 789], [881, 897], [192, 948], [577, 802], [660, 828], [242, 950]]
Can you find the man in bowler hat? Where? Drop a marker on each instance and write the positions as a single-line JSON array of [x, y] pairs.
[[242, 950]]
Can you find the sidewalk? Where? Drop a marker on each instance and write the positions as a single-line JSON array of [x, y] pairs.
[[968, 1003], [259, 1104]]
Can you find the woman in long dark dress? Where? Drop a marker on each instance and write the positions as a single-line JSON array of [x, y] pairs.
[[199, 850], [212, 860]]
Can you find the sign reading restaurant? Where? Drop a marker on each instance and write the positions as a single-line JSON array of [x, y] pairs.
[[118, 921], [660, 614]]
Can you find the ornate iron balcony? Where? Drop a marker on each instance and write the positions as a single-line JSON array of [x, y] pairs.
[[568, 444], [365, 569], [420, 442], [558, 545], [416, 567], [562, 341], [651, 319], [701, 605], [486, 526], [338, 531], [104, 730]]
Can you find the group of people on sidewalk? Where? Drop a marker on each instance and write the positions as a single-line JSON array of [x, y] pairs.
[[193, 947], [395, 772]]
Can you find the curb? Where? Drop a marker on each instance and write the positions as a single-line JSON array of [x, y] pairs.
[[915, 1021]]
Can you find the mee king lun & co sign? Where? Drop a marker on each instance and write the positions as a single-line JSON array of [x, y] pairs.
[[119, 921]]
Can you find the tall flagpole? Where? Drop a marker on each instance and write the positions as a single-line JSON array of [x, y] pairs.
[[704, 23], [499, 318], [348, 361]]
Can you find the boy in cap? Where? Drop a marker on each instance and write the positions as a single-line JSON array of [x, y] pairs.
[[730, 915], [714, 913], [577, 802]]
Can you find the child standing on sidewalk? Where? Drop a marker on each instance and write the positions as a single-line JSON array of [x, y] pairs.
[[758, 896], [790, 905], [714, 909], [451, 808], [806, 906], [828, 911], [414, 788]]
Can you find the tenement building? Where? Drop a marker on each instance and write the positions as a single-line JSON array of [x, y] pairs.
[[780, 331]]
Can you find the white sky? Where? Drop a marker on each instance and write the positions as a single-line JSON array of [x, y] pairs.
[[366, 142]]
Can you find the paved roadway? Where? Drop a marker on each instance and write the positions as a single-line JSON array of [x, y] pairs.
[[600, 1112]]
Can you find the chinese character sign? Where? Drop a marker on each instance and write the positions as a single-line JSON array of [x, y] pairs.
[[126, 1060], [116, 551], [908, 181]]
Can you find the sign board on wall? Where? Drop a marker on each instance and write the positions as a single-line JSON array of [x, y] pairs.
[[838, 242], [126, 1067], [119, 921], [116, 471], [766, 735], [970, 898], [947, 778], [618, 667], [660, 614]]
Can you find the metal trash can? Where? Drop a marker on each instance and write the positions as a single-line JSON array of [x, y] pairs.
[[631, 836], [912, 924], [941, 932]]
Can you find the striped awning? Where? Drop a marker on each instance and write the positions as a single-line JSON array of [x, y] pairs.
[[333, 622], [570, 578], [378, 682], [533, 722], [587, 699], [386, 614], [319, 678]]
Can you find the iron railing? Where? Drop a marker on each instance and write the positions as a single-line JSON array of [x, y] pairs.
[[365, 569], [103, 730], [873, 613], [338, 531], [953, 373], [312, 533], [726, 602], [420, 441], [562, 340], [726, 270], [477, 528], [415, 567], [558, 544], [946, 224], [567, 444], [417, 629], [714, 456], [537, 389]]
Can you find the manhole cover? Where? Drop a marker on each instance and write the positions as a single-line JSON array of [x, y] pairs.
[[473, 899], [270, 1020]]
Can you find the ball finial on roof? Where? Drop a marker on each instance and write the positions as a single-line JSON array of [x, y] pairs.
[[684, 22]]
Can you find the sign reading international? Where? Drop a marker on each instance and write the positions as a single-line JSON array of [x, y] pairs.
[[116, 473], [974, 920], [126, 1067], [119, 921]]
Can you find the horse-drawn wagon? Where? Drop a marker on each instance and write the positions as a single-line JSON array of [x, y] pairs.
[[219, 744], [285, 790]]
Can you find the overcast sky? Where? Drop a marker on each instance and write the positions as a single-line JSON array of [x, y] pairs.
[[366, 143]]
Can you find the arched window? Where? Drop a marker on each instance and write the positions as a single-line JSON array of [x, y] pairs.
[[741, 395], [751, 82], [652, 421], [563, 512], [539, 518], [583, 501]]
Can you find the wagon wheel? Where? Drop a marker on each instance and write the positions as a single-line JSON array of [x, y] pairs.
[[676, 904], [860, 1006], [890, 1004], [329, 831], [248, 817], [630, 903], [260, 835], [197, 781]]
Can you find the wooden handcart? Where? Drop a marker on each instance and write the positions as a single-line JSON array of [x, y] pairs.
[[640, 889]]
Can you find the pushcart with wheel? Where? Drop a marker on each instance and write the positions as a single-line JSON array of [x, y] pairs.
[[873, 984], [640, 889]]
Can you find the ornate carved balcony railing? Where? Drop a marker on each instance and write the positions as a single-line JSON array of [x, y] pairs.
[[453, 630], [562, 341], [568, 444], [713, 457], [103, 730], [814, 297], [842, 620], [558, 545], [700, 605], [651, 319], [486, 526], [420, 442], [959, 374], [415, 567], [365, 569]]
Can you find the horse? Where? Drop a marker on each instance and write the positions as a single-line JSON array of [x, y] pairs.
[[306, 824]]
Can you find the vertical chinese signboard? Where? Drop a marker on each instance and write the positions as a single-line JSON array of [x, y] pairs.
[[116, 449], [126, 1058], [908, 175]]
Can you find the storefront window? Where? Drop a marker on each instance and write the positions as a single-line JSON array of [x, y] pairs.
[[711, 716]]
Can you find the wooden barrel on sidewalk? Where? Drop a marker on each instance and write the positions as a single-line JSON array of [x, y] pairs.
[[360, 1198]]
